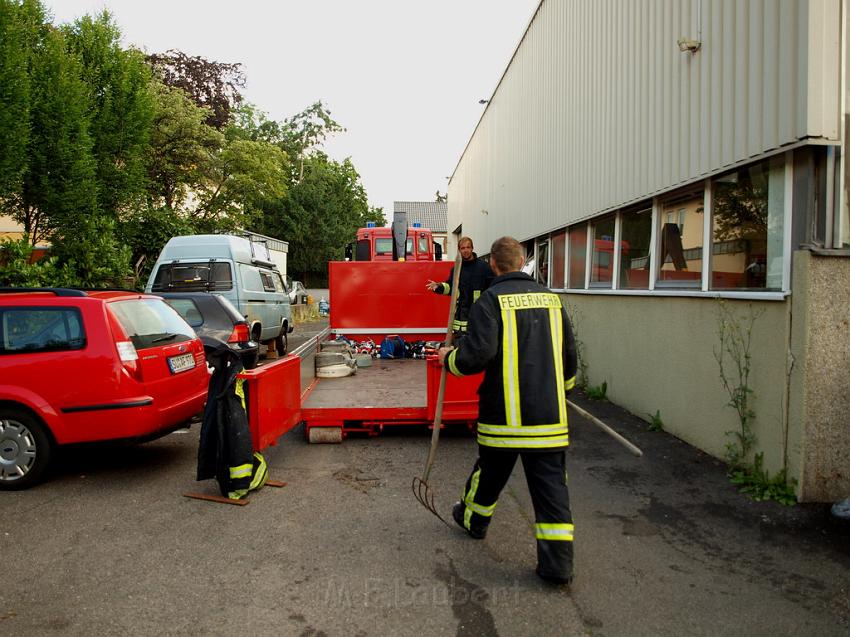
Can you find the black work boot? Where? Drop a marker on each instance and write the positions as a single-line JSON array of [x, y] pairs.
[[558, 580], [474, 531]]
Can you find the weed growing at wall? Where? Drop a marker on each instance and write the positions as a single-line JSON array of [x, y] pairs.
[[655, 422], [735, 362], [598, 392]]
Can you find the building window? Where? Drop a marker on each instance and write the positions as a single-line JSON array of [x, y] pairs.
[[602, 262], [542, 262], [636, 236], [578, 256], [559, 247], [748, 210], [681, 240]]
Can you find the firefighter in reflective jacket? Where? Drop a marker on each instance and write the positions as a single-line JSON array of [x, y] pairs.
[[475, 277], [520, 337]]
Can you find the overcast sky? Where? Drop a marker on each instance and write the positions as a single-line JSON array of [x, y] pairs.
[[404, 77]]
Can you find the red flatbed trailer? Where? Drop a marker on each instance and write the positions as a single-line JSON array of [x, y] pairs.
[[368, 300]]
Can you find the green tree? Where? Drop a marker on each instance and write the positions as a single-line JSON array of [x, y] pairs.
[[238, 178], [305, 132], [146, 232], [16, 270], [20, 28], [325, 200], [320, 215], [209, 84], [181, 145], [91, 254], [59, 182], [120, 109]]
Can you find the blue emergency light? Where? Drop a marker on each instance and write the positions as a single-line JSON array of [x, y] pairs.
[[370, 224], [417, 224]]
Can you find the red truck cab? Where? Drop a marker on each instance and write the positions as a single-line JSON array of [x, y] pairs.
[[376, 244]]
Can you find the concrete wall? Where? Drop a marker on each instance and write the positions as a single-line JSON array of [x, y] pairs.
[[820, 400], [658, 354]]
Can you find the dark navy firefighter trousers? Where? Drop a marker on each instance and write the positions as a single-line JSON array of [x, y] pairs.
[[545, 473]]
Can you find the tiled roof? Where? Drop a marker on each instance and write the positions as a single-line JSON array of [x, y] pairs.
[[431, 214]]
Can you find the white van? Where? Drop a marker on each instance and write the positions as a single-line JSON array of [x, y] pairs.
[[235, 268]]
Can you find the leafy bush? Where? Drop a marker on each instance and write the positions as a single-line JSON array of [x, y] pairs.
[[17, 271]]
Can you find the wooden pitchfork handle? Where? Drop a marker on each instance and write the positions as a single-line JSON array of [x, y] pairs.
[[438, 415]]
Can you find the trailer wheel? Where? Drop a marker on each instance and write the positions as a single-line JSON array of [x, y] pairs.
[[320, 435]]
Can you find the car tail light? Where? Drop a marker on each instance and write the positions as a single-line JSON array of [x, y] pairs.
[[198, 352], [240, 333], [129, 357], [127, 353]]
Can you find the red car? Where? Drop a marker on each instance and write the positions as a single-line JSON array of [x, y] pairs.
[[81, 366]]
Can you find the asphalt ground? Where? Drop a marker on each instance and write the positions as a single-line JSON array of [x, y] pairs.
[[665, 545]]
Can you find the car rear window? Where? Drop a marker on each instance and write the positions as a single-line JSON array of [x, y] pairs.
[[31, 329], [151, 323], [207, 276], [188, 309]]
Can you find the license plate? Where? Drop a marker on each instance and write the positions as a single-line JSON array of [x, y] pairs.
[[181, 363]]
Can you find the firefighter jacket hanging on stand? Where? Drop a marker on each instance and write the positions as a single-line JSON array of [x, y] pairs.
[[225, 451]]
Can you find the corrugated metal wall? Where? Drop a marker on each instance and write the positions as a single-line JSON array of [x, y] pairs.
[[599, 107]]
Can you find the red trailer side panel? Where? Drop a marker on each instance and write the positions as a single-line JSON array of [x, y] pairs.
[[370, 299], [273, 400]]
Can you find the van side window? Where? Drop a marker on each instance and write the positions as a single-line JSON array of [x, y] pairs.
[[268, 281], [27, 330], [279, 284]]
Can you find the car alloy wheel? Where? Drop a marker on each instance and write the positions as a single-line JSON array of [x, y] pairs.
[[25, 449]]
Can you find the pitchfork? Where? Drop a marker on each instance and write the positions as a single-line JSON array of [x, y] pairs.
[[422, 491]]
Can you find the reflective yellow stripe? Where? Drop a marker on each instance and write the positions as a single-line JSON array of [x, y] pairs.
[[529, 301], [469, 498], [459, 326], [242, 471], [445, 288], [554, 532], [238, 494], [510, 368], [570, 383], [524, 430], [261, 474], [475, 295], [451, 361], [524, 443], [556, 328], [487, 512], [240, 391]]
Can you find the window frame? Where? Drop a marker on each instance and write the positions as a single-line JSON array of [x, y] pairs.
[[702, 287]]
